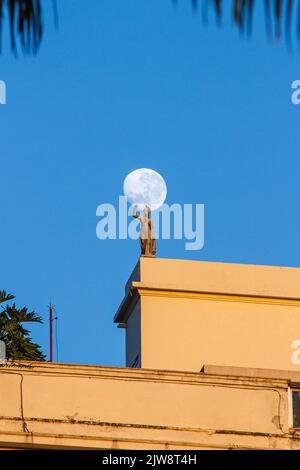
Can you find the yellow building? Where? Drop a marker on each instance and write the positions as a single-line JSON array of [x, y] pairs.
[[212, 361]]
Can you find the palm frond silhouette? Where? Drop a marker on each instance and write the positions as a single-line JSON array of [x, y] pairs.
[[25, 18]]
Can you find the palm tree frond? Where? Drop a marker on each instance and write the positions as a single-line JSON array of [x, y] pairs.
[[26, 18], [25, 23], [279, 14], [4, 297]]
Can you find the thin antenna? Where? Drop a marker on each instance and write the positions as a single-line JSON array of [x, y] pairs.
[[51, 320], [56, 334], [51, 332]]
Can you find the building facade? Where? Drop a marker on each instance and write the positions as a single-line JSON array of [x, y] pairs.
[[212, 363]]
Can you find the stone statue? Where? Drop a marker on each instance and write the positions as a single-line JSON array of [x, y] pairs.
[[147, 236]]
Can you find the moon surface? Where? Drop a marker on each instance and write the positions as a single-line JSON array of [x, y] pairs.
[[145, 187]]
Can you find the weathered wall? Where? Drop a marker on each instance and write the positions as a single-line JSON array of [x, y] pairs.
[[96, 407]]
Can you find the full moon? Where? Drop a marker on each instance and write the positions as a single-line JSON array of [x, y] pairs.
[[145, 187]]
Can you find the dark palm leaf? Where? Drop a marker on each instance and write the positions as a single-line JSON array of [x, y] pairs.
[[22, 315], [279, 14], [26, 25], [19, 345], [4, 297]]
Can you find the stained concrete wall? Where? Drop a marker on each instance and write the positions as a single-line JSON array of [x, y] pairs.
[[64, 406]]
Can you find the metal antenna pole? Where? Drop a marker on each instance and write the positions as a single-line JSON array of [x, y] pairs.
[[51, 332]]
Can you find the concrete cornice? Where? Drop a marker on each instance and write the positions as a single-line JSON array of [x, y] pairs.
[[169, 291], [102, 435], [139, 289], [215, 375]]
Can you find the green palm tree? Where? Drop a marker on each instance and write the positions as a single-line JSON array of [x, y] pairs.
[[19, 345]]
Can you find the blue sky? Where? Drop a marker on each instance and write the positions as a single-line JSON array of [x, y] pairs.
[[129, 84]]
